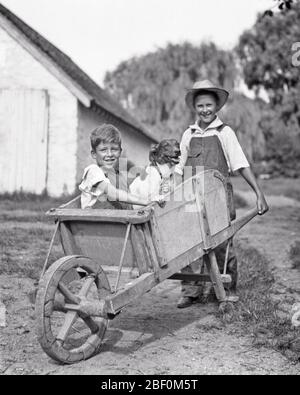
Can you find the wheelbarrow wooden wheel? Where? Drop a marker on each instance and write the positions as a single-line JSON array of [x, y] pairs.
[[65, 334]]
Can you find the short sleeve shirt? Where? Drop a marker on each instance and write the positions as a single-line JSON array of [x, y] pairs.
[[146, 185], [153, 183], [92, 177], [233, 151]]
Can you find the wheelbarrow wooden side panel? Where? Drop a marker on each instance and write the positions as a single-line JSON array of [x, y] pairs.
[[99, 234], [178, 223], [196, 211], [102, 242]]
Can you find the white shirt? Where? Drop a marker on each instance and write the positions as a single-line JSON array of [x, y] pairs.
[[233, 152], [93, 175], [152, 184]]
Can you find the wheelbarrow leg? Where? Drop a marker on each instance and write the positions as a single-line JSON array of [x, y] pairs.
[[215, 275], [213, 269]]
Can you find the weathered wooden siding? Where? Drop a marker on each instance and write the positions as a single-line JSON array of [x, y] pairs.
[[23, 140], [20, 71]]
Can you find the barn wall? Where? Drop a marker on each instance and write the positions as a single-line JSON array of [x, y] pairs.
[[19, 70], [135, 145]]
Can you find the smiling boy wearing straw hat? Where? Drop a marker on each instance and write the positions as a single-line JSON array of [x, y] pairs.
[[210, 144]]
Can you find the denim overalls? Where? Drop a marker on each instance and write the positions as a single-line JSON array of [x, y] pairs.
[[207, 153]]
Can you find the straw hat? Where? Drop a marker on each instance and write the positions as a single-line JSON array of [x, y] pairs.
[[206, 86]]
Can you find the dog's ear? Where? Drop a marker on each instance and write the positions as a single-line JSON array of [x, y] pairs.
[[153, 153]]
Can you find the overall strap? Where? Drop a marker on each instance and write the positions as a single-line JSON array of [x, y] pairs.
[[221, 127]]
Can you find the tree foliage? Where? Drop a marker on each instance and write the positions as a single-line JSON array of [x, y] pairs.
[[244, 115], [152, 87], [280, 5], [265, 53]]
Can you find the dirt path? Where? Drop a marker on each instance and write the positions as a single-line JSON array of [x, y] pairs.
[[152, 336], [273, 235]]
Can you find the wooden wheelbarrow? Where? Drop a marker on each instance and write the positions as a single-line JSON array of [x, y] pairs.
[[75, 300]]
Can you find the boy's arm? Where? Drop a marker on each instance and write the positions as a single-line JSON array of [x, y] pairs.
[[262, 205], [238, 161], [119, 195]]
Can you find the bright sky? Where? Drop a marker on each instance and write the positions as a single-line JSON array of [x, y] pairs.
[[99, 34]]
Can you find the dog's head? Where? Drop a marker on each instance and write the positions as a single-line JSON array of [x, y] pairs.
[[167, 151]]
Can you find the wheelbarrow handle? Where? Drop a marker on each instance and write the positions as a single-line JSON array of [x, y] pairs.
[[244, 219], [232, 229]]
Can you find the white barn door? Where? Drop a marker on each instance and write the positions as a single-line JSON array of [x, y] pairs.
[[23, 140]]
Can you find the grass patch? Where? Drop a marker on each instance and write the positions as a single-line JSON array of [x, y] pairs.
[[23, 216], [23, 250], [27, 207], [258, 313], [294, 255], [31, 202]]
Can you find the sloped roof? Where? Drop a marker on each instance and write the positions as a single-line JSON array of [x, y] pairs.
[[100, 97]]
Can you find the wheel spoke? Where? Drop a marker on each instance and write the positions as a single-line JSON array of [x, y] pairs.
[[75, 329], [94, 327], [71, 317], [66, 308], [71, 298], [86, 286]]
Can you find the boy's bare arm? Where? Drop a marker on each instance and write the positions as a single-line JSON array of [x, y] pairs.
[[119, 195], [262, 205]]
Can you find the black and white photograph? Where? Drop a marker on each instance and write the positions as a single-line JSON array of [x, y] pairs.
[[149, 190]]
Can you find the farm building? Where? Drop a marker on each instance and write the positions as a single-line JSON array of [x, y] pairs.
[[48, 106]]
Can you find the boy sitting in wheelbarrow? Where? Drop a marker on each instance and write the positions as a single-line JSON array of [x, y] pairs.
[[210, 144], [102, 185]]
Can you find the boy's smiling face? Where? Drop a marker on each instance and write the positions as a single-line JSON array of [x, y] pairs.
[[206, 108], [107, 154]]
